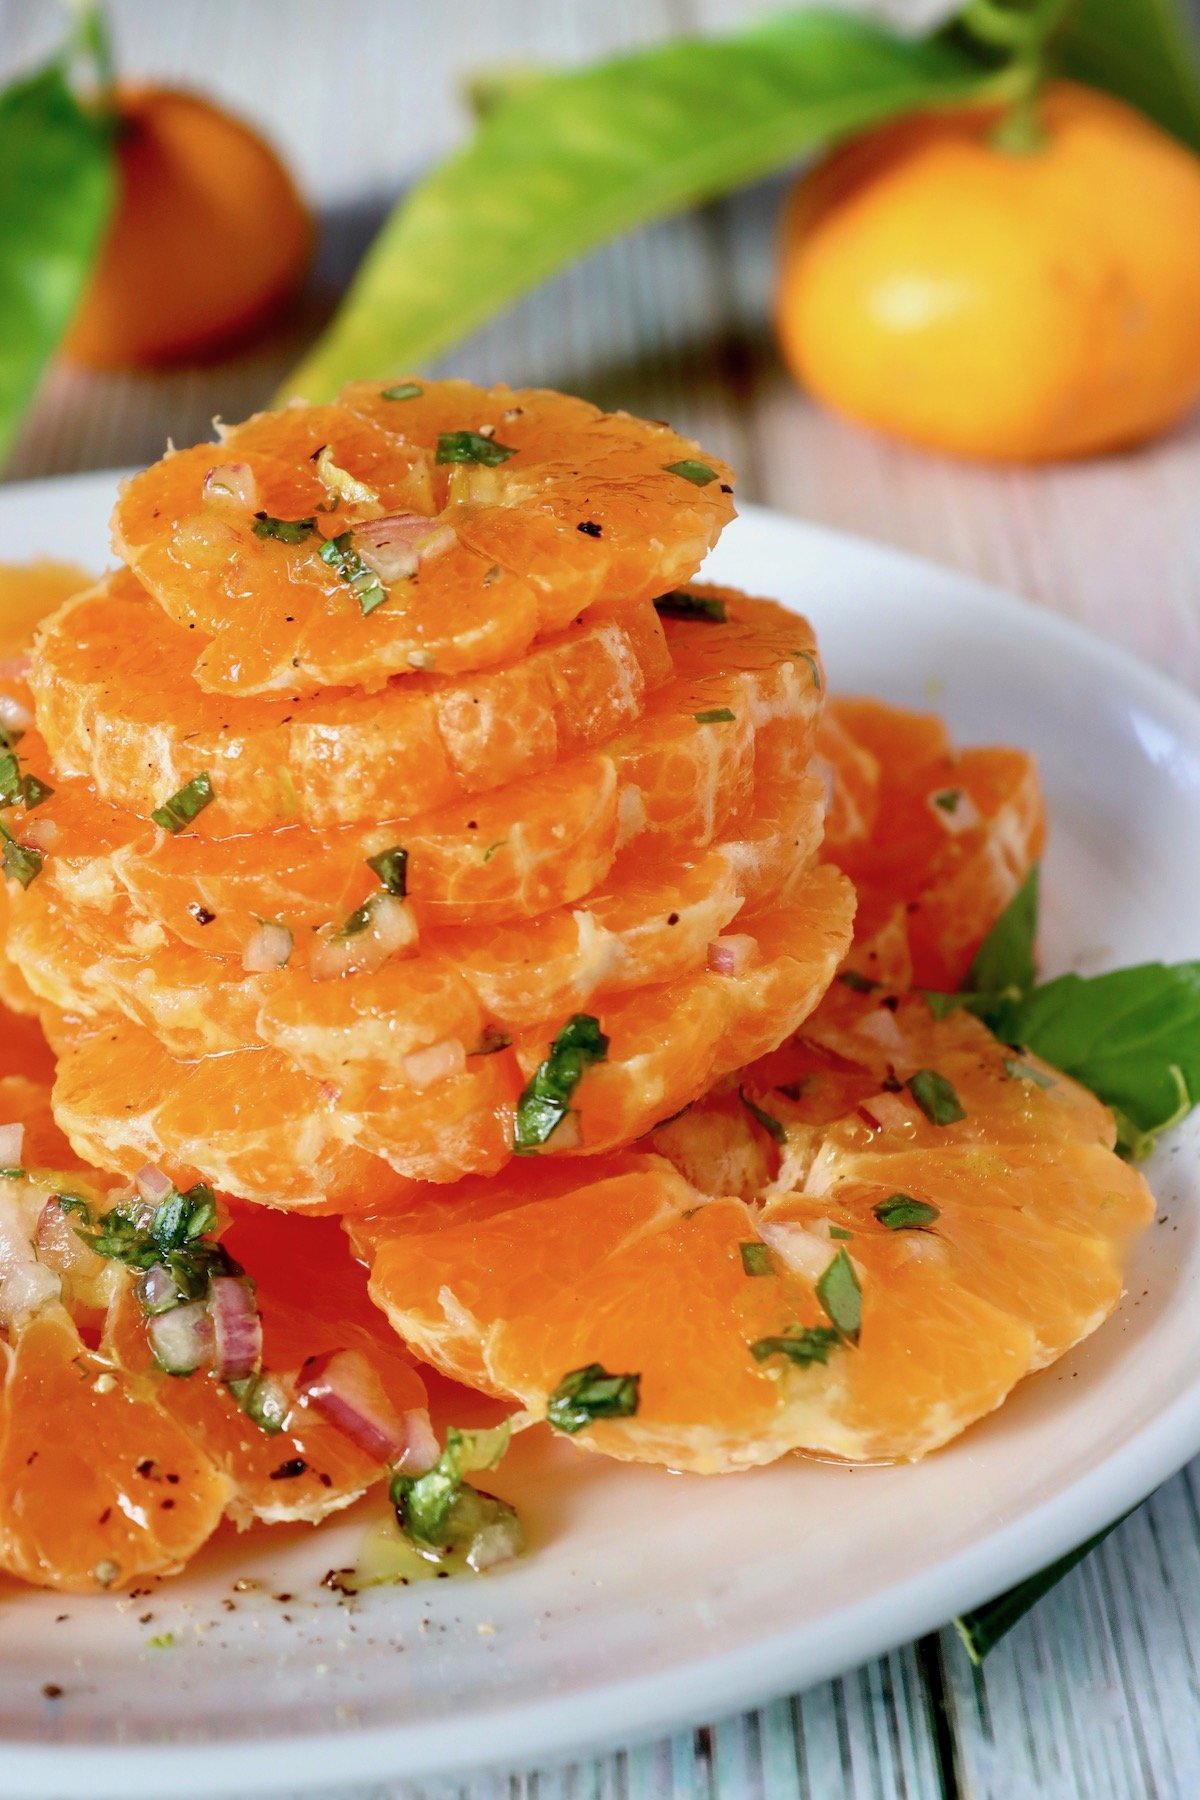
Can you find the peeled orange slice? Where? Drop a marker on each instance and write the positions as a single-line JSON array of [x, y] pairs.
[[537, 505], [117, 707], [883, 1289], [937, 840]]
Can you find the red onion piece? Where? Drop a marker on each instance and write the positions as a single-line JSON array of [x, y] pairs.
[[422, 1068], [885, 1110], [12, 1146], [269, 948], [390, 928], [156, 1290], [729, 955], [237, 1327], [344, 1388], [152, 1184], [396, 546], [14, 714], [182, 1339], [234, 483], [41, 833]]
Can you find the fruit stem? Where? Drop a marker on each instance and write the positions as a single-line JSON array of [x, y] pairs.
[[90, 44], [1024, 29]]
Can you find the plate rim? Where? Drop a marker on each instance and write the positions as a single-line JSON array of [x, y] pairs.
[[524, 1734]]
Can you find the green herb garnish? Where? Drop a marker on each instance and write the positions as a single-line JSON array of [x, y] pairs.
[[546, 1100], [840, 1295], [391, 866], [839, 1231], [858, 984], [404, 390], [264, 1400], [681, 605], [285, 531], [808, 657], [803, 1345], [341, 556], [698, 473], [472, 447], [765, 1119], [947, 799], [19, 862], [936, 1097], [173, 1236], [20, 790], [591, 1393], [179, 811], [12, 1174], [900, 1212], [440, 1509], [1018, 1070], [717, 715], [756, 1259]]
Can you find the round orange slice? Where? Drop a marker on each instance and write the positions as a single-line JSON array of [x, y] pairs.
[[885, 1289], [117, 707], [537, 506]]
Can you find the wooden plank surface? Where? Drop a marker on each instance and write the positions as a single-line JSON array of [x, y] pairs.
[[1098, 1693]]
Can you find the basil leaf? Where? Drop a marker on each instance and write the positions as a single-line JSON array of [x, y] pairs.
[[404, 390], [340, 554], [472, 447], [756, 1259], [902, 1213], [716, 715], [576, 158], [858, 984], [1005, 960], [286, 531], [440, 1509], [179, 811], [947, 799], [19, 862], [546, 1098], [56, 192], [840, 1295], [936, 1097], [391, 866], [982, 1628], [1145, 51], [767, 1120], [678, 605], [592, 1393], [802, 1345], [698, 473]]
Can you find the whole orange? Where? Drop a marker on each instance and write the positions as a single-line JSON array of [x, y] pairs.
[[1016, 305], [210, 236]]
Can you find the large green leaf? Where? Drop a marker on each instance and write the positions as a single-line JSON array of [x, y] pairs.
[[56, 188], [1143, 50], [564, 163]]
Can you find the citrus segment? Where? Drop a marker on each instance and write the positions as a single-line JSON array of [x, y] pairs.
[[503, 561], [117, 707]]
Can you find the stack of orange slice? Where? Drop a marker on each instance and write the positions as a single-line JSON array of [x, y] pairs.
[[402, 833]]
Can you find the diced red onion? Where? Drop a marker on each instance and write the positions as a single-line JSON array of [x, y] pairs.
[[12, 1146], [396, 546], [346, 1391], [882, 1111], [730, 954], [390, 928], [269, 948], [14, 714], [497, 1543], [182, 1339], [237, 1327], [152, 1184], [156, 1290], [422, 1068], [234, 482], [340, 484], [41, 833]]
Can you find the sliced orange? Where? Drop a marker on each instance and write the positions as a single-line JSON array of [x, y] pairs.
[[1004, 1247], [117, 706], [556, 506], [936, 840]]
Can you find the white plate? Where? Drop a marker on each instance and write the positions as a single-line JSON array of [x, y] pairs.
[[651, 1600]]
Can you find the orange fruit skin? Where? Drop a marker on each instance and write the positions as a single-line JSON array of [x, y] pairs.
[[1010, 305], [210, 236]]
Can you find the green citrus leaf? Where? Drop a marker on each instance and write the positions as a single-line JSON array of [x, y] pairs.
[[1145, 51]]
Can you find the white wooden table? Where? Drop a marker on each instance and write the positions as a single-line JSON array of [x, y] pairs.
[[1097, 1694]]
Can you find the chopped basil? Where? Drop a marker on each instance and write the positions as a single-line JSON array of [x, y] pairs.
[[681, 605], [900, 1212], [404, 390], [592, 1393], [765, 1119], [808, 657], [546, 1099], [12, 1174], [500, 844], [184, 806], [839, 1231], [1016, 1070], [286, 531], [490, 1043], [172, 1236], [17, 789], [698, 473], [391, 866], [472, 447], [341, 556], [440, 1508], [803, 1345], [946, 799], [840, 1295], [936, 1097], [34, 791], [756, 1259], [718, 715], [859, 984], [264, 1400], [19, 862]]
